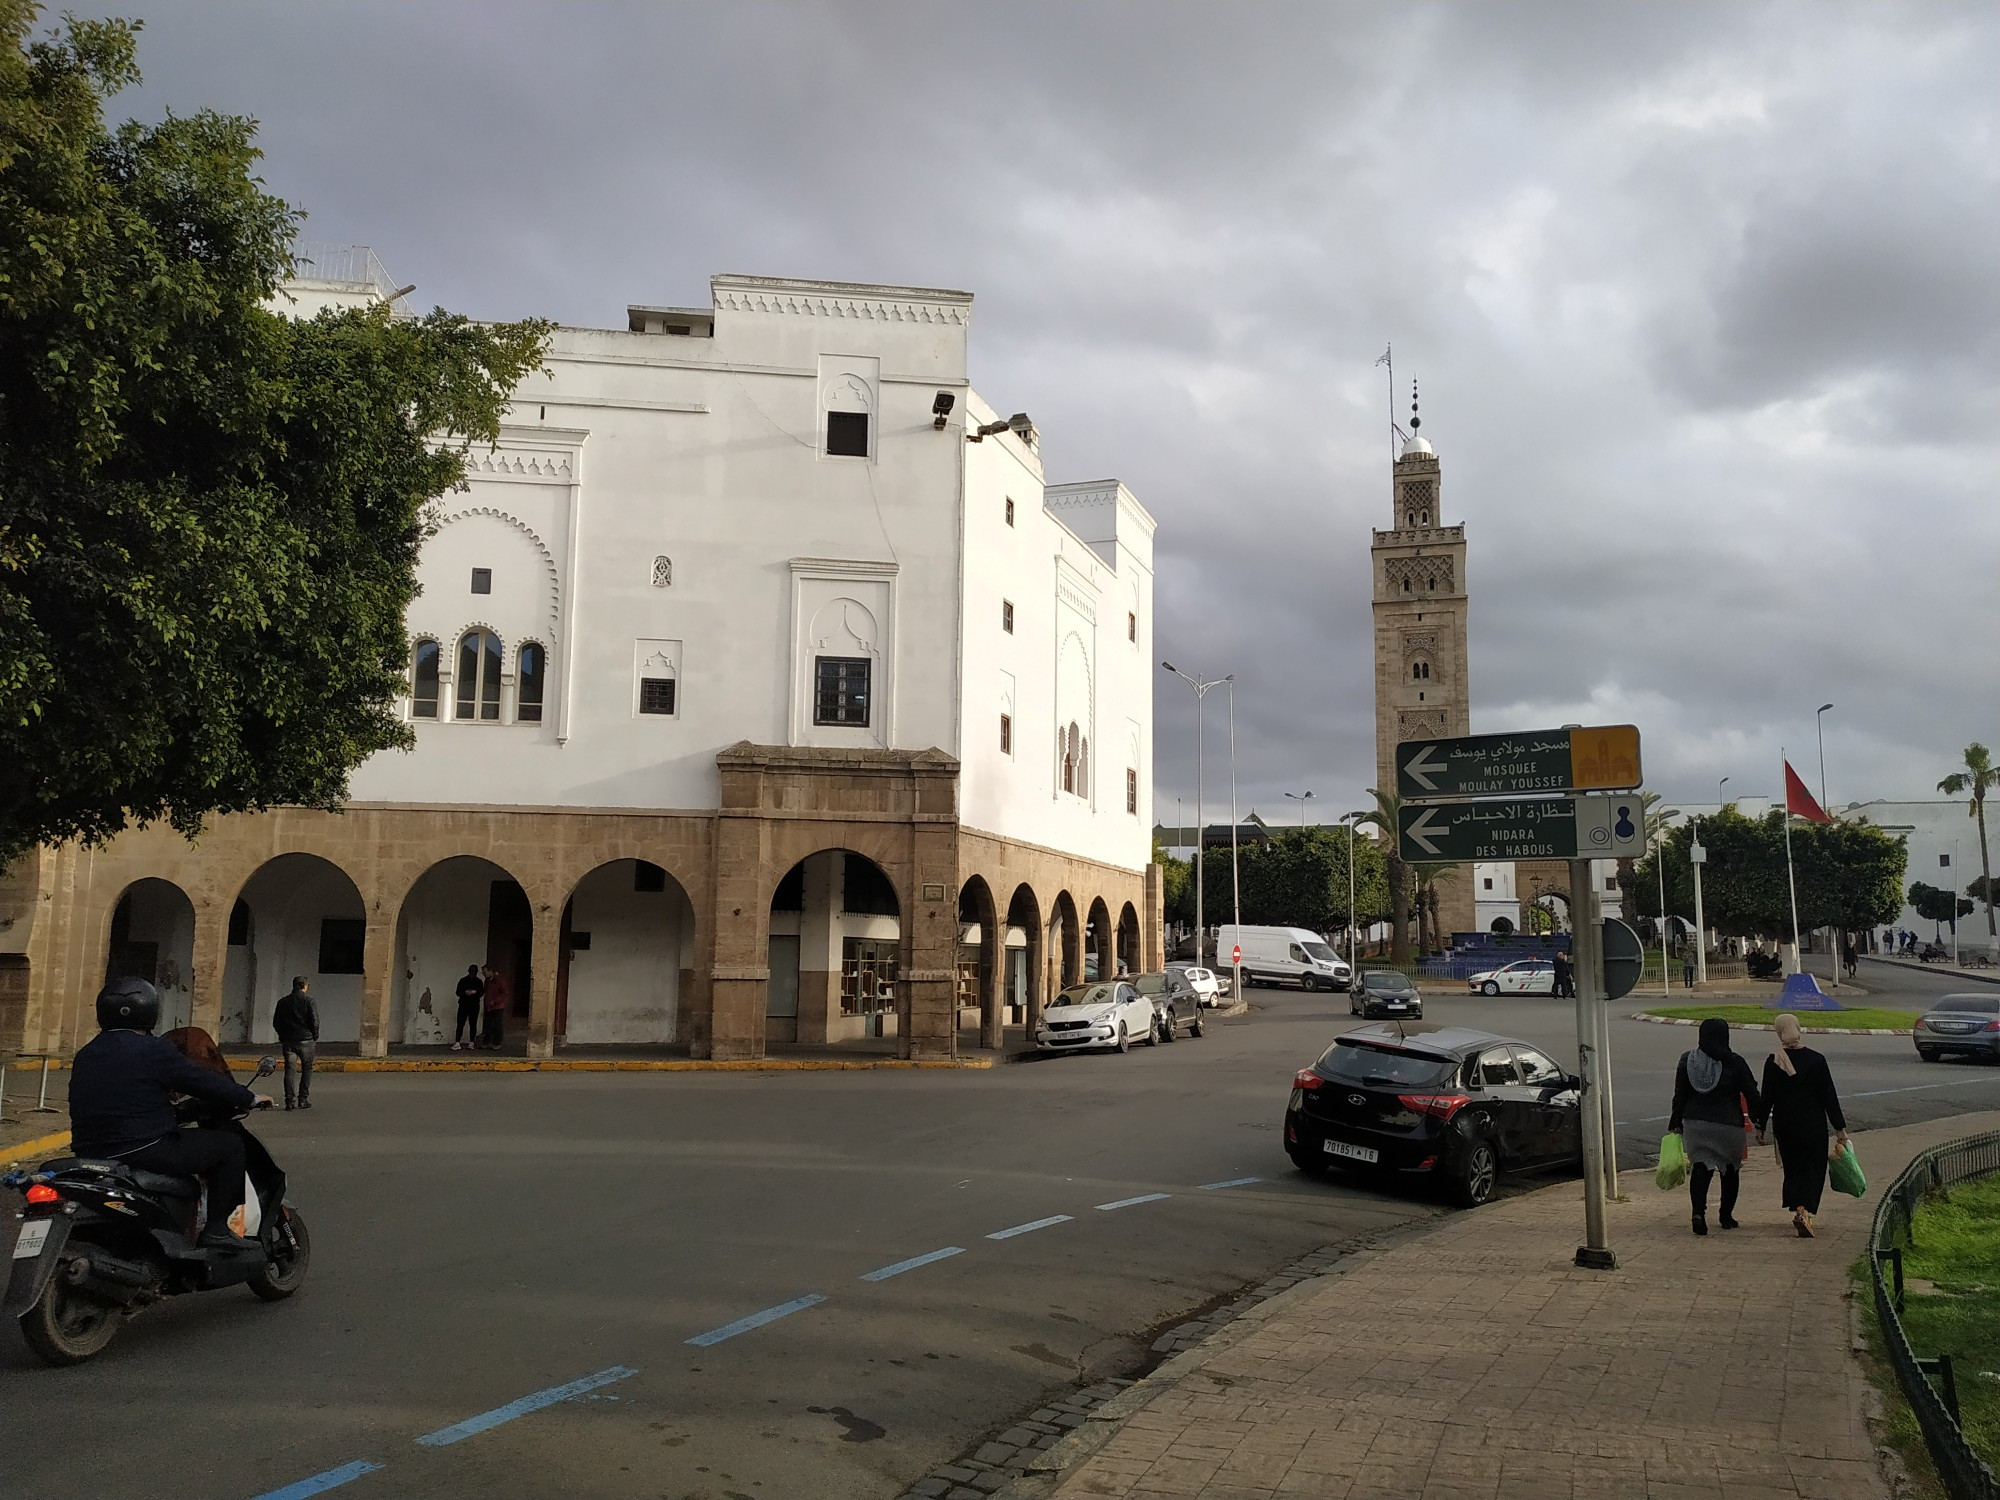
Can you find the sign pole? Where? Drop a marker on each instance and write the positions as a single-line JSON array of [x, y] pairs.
[[1586, 964]]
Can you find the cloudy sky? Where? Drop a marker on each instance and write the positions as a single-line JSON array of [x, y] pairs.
[[1703, 300]]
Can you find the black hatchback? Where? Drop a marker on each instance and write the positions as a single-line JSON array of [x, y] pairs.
[[1434, 1103]]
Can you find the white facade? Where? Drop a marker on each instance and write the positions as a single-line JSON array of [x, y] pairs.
[[663, 506], [1934, 831]]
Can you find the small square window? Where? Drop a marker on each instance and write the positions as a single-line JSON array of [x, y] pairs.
[[1010, 512], [1006, 734], [1131, 626], [1007, 616], [847, 434], [341, 944], [482, 580], [1132, 792], [647, 876], [840, 690], [656, 695], [1489, 882]]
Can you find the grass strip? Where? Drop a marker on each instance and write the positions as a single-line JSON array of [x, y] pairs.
[[1956, 1249], [1861, 1018]]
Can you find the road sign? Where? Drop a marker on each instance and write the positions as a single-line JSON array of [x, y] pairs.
[[1605, 758], [1236, 956], [1623, 959], [1429, 833]]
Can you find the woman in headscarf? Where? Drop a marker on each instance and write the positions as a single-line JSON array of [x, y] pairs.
[[1711, 1086], [1800, 1103]]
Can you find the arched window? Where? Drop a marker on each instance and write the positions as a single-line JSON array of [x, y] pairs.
[[1406, 585], [1420, 671], [1066, 749], [478, 694], [531, 672], [424, 681]]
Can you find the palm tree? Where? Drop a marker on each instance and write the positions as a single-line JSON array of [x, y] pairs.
[[1430, 938], [1979, 777], [1387, 805]]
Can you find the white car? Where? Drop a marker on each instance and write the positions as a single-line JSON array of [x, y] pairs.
[[1527, 976], [1111, 1014], [1202, 981]]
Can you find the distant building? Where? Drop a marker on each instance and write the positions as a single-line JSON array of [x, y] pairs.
[[763, 690], [1943, 840]]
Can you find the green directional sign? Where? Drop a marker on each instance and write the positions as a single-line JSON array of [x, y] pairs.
[[1534, 761], [1430, 833]]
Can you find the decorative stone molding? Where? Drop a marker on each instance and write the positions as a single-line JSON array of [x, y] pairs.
[[548, 558], [822, 305], [1434, 574], [543, 466], [1421, 724], [1428, 536]]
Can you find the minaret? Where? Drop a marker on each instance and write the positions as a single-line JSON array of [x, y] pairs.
[[1422, 686]]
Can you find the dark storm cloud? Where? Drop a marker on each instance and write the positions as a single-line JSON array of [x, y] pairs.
[[1701, 298]]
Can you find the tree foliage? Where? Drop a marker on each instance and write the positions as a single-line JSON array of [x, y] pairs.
[[1298, 878], [1979, 777], [1850, 875], [1935, 904], [209, 513]]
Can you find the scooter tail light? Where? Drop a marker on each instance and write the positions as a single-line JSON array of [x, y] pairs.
[[41, 1192]]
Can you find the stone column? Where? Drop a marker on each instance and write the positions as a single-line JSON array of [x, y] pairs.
[[928, 1004], [992, 975], [542, 983], [209, 956], [741, 921], [820, 946], [379, 964], [1153, 920]]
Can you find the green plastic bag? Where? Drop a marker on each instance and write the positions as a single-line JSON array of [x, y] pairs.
[[1845, 1173], [1673, 1168]]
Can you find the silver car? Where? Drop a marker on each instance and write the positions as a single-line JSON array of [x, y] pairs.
[[1111, 1014], [1967, 1025]]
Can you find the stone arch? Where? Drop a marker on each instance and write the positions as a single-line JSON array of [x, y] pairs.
[[1025, 981], [837, 944], [1099, 940], [152, 938], [1066, 942], [552, 578], [460, 910], [625, 955], [981, 956], [303, 917], [1130, 951]]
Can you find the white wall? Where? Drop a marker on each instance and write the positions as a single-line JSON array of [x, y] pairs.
[[1934, 829], [625, 987], [443, 928], [160, 913]]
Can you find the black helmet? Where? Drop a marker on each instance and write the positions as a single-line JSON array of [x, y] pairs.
[[128, 1004]]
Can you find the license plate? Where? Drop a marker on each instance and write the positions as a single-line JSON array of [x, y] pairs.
[[1356, 1153], [30, 1242], [1398, 1004]]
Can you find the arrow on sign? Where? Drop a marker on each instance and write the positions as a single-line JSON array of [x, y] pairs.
[[1426, 835], [1422, 768]]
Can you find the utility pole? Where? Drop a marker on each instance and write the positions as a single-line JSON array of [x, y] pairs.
[[1235, 878], [1587, 965], [1819, 724], [1201, 685]]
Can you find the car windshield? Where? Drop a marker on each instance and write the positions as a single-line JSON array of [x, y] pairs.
[[1320, 951], [1388, 981], [1976, 1005], [1363, 1062], [1086, 994]]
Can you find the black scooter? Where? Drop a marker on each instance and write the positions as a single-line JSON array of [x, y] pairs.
[[102, 1240]]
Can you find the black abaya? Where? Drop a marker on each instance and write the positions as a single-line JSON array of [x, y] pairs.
[[1803, 1110]]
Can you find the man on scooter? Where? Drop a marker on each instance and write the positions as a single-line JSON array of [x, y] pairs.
[[122, 1084]]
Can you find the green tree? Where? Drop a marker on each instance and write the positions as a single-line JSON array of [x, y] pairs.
[[1979, 777], [1383, 816], [1177, 886], [1934, 904], [209, 514], [1298, 878]]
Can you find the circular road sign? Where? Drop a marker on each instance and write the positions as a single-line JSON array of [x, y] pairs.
[[1236, 956]]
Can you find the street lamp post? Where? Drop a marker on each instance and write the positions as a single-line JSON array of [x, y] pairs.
[[1201, 685], [1302, 798], [1697, 856], [1353, 964], [1235, 879], [1660, 863], [1819, 725]]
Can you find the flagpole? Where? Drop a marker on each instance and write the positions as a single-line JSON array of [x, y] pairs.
[[1791, 878]]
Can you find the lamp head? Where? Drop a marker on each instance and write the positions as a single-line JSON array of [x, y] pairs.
[[1822, 709]]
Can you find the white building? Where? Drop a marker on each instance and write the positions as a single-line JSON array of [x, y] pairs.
[[762, 689], [1943, 840]]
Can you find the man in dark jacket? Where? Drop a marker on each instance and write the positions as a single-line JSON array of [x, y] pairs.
[[121, 1088], [296, 1021], [471, 990]]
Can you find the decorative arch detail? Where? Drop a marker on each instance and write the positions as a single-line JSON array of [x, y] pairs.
[[554, 578]]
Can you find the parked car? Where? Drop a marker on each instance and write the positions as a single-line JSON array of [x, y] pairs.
[[1176, 1006], [1385, 992], [1111, 1014], [1202, 981], [1436, 1104], [1284, 955], [1959, 1024], [1527, 976]]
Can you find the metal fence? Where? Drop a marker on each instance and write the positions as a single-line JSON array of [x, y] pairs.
[[1929, 1384]]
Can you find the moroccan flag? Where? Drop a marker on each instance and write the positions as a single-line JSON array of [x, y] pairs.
[[1799, 802]]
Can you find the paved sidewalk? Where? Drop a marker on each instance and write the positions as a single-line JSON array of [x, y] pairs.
[[1959, 971], [1475, 1361]]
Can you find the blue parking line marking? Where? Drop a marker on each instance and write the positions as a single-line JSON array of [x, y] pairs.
[[755, 1320], [1128, 1202], [1008, 1234], [912, 1263], [458, 1432], [1233, 1182], [319, 1484]]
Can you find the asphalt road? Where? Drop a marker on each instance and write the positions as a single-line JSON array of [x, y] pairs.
[[480, 1239]]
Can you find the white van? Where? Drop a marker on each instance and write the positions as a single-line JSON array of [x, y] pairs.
[[1283, 955]]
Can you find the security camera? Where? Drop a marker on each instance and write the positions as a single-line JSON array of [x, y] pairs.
[[941, 408]]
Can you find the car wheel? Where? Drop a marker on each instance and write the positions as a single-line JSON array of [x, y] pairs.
[[1124, 1044], [1153, 1033], [1352, 1008], [1308, 983], [1927, 1054], [1476, 1174], [1312, 1166], [1169, 1032], [1489, 988], [1194, 1028]]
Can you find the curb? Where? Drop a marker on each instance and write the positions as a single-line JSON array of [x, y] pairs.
[[1649, 1017], [40, 1146]]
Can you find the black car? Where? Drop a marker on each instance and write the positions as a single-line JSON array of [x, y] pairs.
[[1385, 992], [1433, 1103], [1176, 1004], [1967, 1025]]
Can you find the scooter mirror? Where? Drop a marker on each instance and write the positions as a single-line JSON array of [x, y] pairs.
[[266, 1066]]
